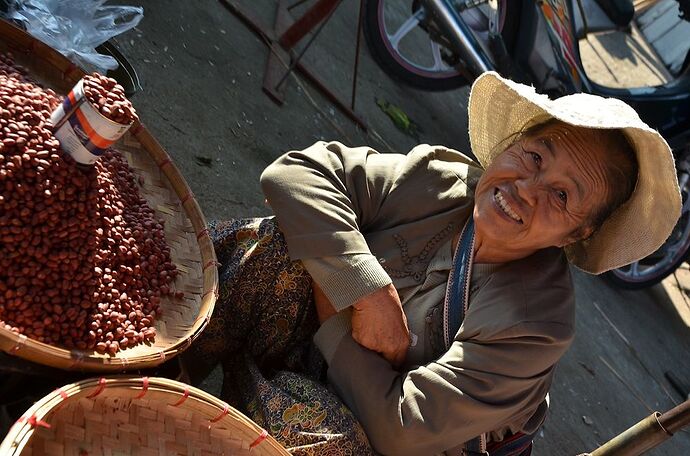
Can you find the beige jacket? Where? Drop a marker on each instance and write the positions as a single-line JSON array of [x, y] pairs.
[[394, 211]]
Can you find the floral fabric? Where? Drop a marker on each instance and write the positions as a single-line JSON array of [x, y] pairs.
[[261, 332]]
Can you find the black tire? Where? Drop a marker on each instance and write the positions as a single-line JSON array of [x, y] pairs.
[[680, 239], [396, 67], [616, 279], [684, 8]]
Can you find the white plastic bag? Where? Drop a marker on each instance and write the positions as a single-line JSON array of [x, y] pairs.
[[76, 27]]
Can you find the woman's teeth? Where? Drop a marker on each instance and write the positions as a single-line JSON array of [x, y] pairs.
[[503, 204]]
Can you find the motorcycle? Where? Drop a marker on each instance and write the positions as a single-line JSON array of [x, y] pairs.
[[445, 44]]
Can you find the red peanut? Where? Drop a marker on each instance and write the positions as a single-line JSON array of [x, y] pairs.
[[83, 258]]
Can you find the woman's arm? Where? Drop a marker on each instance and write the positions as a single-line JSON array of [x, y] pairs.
[[474, 388], [323, 197], [496, 372], [326, 196]]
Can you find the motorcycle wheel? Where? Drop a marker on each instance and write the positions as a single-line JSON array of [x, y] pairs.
[[401, 46], [656, 267]]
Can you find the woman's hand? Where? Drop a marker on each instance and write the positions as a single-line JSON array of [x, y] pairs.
[[378, 322]]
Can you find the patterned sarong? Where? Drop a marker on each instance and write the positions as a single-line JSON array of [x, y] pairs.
[[261, 332]]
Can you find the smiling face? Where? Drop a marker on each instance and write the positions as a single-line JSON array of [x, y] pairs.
[[542, 191]]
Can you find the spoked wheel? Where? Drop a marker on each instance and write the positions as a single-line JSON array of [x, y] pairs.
[[409, 49], [656, 267]]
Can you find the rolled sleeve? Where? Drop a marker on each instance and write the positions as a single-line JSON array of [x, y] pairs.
[[345, 279]]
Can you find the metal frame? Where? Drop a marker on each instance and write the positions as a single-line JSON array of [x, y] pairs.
[[281, 41]]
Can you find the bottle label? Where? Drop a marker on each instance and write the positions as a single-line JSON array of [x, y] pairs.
[[84, 132]]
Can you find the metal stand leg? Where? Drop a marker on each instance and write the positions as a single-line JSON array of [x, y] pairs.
[[281, 40], [296, 60]]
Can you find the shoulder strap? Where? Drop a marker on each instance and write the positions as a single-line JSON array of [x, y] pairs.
[[454, 309], [457, 289]]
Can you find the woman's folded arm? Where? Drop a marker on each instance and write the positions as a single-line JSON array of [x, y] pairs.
[[476, 387], [326, 196], [345, 279]]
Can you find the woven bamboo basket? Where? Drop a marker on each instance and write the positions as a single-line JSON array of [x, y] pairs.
[[169, 195], [135, 416]]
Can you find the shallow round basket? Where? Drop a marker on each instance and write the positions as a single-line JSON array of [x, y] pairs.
[[169, 195], [135, 415]]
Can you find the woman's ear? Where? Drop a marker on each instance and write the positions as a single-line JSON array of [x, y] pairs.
[[578, 235]]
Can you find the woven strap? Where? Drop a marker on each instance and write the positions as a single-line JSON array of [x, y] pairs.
[[457, 290], [516, 445], [454, 306], [476, 447]]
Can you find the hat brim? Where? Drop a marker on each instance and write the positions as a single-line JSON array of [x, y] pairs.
[[499, 109]]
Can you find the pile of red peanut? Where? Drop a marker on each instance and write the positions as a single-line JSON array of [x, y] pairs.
[[106, 95], [83, 259]]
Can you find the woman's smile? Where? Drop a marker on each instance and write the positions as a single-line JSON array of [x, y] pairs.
[[540, 192], [505, 207]]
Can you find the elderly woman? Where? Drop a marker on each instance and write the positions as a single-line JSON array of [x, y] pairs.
[[441, 286]]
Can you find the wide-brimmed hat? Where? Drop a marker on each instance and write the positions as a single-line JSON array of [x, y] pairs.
[[500, 108]]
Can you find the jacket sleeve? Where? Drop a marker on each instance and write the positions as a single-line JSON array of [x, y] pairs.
[[327, 195], [496, 372], [476, 387], [346, 278], [322, 197]]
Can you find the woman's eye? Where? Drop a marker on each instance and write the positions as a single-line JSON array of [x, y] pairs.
[[536, 157], [563, 196]]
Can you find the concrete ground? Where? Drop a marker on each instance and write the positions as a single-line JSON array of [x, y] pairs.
[[202, 71]]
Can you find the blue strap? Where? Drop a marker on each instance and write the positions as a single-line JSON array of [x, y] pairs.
[[457, 290], [454, 308]]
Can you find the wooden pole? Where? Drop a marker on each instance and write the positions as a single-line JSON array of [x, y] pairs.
[[647, 434]]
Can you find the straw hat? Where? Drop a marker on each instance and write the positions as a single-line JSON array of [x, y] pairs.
[[499, 108]]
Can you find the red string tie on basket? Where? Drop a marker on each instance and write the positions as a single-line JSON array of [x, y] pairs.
[[182, 399], [214, 291], [225, 411], [33, 421], [163, 163], [202, 233], [210, 264], [263, 436], [63, 397], [187, 197], [99, 389], [144, 388]]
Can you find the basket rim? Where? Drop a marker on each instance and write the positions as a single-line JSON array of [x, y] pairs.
[[21, 432], [20, 42]]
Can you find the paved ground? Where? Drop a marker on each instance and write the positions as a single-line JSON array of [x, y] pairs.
[[201, 70]]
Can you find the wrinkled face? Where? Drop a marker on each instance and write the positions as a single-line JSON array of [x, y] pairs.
[[542, 191]]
